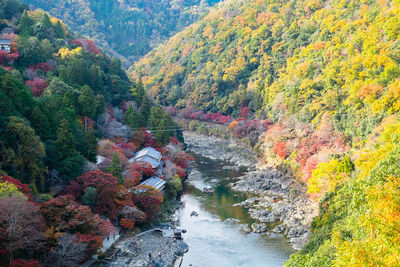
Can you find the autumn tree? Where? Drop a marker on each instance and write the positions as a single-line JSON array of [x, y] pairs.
[[24, 226], [148, 199]]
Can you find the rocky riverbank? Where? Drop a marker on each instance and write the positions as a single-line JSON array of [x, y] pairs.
[[229, 150], [280, 205], [136, 251]]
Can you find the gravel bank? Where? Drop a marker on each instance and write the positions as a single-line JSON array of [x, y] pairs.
[[134, 252]]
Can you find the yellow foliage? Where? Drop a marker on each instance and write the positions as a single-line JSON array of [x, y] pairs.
[[325, 177], [65, 52], [9, 190], [380, 246], [370, 156]]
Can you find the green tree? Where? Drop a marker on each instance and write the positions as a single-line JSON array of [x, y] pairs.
[[25, 26], [138, 93], [69, 100], [59, 30], [163, 132], [28, 152], [155, 117], [346, 165], [90, 141], [87, 102], [45, 21], [89, 197], [145, 108], [132, 118], [66, 141], [115, 168], [58, 87], [40, 122], [100, 104]]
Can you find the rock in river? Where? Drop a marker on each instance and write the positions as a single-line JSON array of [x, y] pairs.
[[259, 228]]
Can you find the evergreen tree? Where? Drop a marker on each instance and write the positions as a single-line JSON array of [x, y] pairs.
[[115, 66], [145, 108], [27, 149], [45, 21], [69, 100], [90, 141], [138, 93], [132, 118], [59, 30], [25, 26], [100, 104], [87, 104], [90, 197], [163, 133], [155, 117], [39, 122], [115, 168], [66, 141]]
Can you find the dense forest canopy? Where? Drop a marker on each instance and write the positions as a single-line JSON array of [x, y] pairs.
[[126, 28], [70, 120], [323, 78]]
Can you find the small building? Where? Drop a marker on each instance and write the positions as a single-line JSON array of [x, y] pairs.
[[149, 155], [5, 45], [155, 182]]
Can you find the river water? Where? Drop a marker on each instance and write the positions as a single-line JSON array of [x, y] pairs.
[[214, 236]]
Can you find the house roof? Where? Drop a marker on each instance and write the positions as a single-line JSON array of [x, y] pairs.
[[5, 41], [155, 182], [153, 162], [149, 151]]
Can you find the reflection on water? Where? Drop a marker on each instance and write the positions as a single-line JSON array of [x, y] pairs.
[[214, 237]]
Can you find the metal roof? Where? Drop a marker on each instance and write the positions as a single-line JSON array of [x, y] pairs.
[[155, 182], [153, 162], [5, 41], [149, 151]]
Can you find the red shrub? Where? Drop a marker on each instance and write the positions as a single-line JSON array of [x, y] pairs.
[[6, 58], [149, 140], [144, 168], [87, 45], [132, 177], [127, 223], [147, 199], [37, 85], [97, 179], [245, 112], [45, 67], [280, 149], [24, 263], [180, 171], [94, 243]]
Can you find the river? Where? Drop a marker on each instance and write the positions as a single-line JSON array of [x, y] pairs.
[[214, 236]]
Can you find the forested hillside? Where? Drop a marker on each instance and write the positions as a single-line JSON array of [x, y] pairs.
[[128, 28], [322, 80], [70, 120]]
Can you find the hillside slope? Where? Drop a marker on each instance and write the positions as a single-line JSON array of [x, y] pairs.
[[70, 120], [326, 73], [129, 29]]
